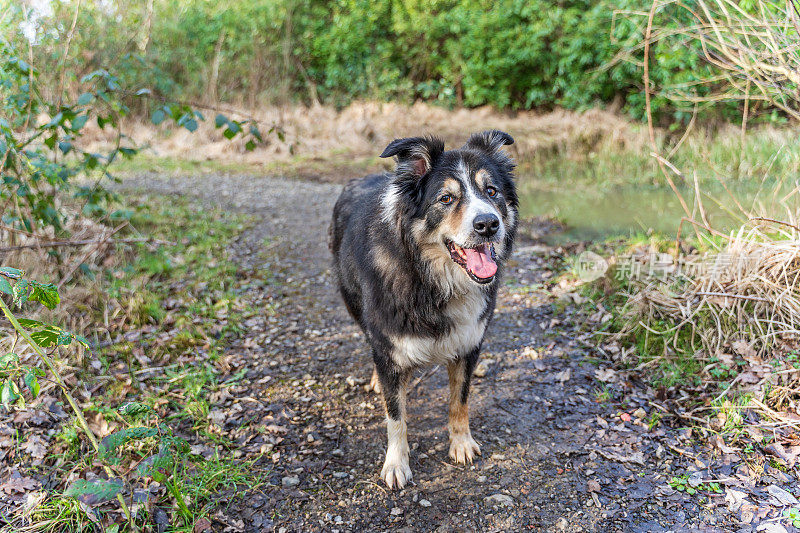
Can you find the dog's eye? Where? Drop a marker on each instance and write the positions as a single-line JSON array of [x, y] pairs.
[[491, 191], [446, 199]]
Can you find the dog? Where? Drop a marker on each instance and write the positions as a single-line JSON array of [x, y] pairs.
[[417, 254]]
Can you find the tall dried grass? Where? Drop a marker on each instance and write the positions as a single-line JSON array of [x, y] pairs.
[[746, 291], [363, 130]]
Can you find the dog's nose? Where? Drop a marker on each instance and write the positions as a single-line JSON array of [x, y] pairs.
[[486, 225]]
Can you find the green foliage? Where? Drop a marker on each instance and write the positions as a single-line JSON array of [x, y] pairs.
[[516, 54], [793, 514], [46, 174], [686, 484], [95, 491]]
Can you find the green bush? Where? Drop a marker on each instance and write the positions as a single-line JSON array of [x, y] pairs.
[[511, 54]]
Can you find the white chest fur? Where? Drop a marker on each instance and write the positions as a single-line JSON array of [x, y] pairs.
[[465, 334]]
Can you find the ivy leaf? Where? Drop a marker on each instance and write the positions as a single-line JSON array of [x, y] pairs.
[[9, 394], [220, 120], [85, 98], [45, 293], [255, 132], [79, 122], [45, 338], [5, 286], [21, 291], [54, 121], [8, 359], [158, 116], [11, 273], [94, 492], [32, 382]]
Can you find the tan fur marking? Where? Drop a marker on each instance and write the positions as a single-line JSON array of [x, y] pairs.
[[463, 447], [482, 178], [459, 412], [383, 261]]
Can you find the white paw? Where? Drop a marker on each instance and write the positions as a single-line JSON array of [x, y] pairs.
[[463, 448], [396, 472], [374, 384]]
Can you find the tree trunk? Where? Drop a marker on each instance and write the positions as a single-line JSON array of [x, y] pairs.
[[213, 79]]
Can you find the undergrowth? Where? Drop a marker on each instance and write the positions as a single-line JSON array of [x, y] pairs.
[[167, 314]]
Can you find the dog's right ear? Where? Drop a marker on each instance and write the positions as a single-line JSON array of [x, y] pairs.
[[415, 155]]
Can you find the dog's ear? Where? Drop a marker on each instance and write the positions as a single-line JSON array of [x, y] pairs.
[[489, 141], [415, 155]]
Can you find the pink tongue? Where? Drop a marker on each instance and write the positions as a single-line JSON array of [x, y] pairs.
[[480, 262]]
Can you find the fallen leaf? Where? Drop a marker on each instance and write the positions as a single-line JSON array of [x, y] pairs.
[[771, 527], [36, 446], [635, 457], [735, 499], [782, 496], [724, 448], [787, 456], [19, 485], [204, 524], [606, 375], [743, 348]]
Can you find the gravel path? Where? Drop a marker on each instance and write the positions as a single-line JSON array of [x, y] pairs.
[[559, 454]]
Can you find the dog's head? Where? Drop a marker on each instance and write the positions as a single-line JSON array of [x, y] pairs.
[[456, 207]]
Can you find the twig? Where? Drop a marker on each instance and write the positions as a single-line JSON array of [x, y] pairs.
[[766, 219], [728, 295], [84, 257], [61, 244]]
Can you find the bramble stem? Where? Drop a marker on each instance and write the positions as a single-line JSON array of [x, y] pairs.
[[78, 412]]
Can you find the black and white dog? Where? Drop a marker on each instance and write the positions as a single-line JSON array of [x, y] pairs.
[[418, 253]]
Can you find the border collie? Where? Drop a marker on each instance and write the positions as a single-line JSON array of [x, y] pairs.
[[417, 254]]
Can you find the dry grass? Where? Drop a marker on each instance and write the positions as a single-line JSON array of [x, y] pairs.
[[326, 142], [748, 291], [754, 50]]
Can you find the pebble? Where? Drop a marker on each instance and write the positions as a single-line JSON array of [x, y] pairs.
[[425, 503], [290, 481], [503, 500], [397, 511], [483, 368], [481, 479]]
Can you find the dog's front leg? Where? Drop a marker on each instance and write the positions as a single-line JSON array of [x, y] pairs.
[[463, 447], [396, 472]]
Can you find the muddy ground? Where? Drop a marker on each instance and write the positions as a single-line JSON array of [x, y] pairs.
[[559, 454]]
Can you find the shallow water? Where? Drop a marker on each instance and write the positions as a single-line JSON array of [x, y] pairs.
[[596, 213]]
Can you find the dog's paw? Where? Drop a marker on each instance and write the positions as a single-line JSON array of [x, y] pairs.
[[374, 384], [396, 472], [463, 448]]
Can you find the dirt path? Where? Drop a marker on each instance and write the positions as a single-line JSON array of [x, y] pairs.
[[554, 457]]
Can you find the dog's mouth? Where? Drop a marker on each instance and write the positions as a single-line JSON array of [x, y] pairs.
[[479, 262]]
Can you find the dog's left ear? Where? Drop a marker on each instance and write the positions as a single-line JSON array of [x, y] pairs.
[[415, 155], [489, 141]]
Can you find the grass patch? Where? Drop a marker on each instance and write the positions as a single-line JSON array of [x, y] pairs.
[[166, 317]]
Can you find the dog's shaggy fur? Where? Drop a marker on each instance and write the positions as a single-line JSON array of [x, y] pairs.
[[418, 254]]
